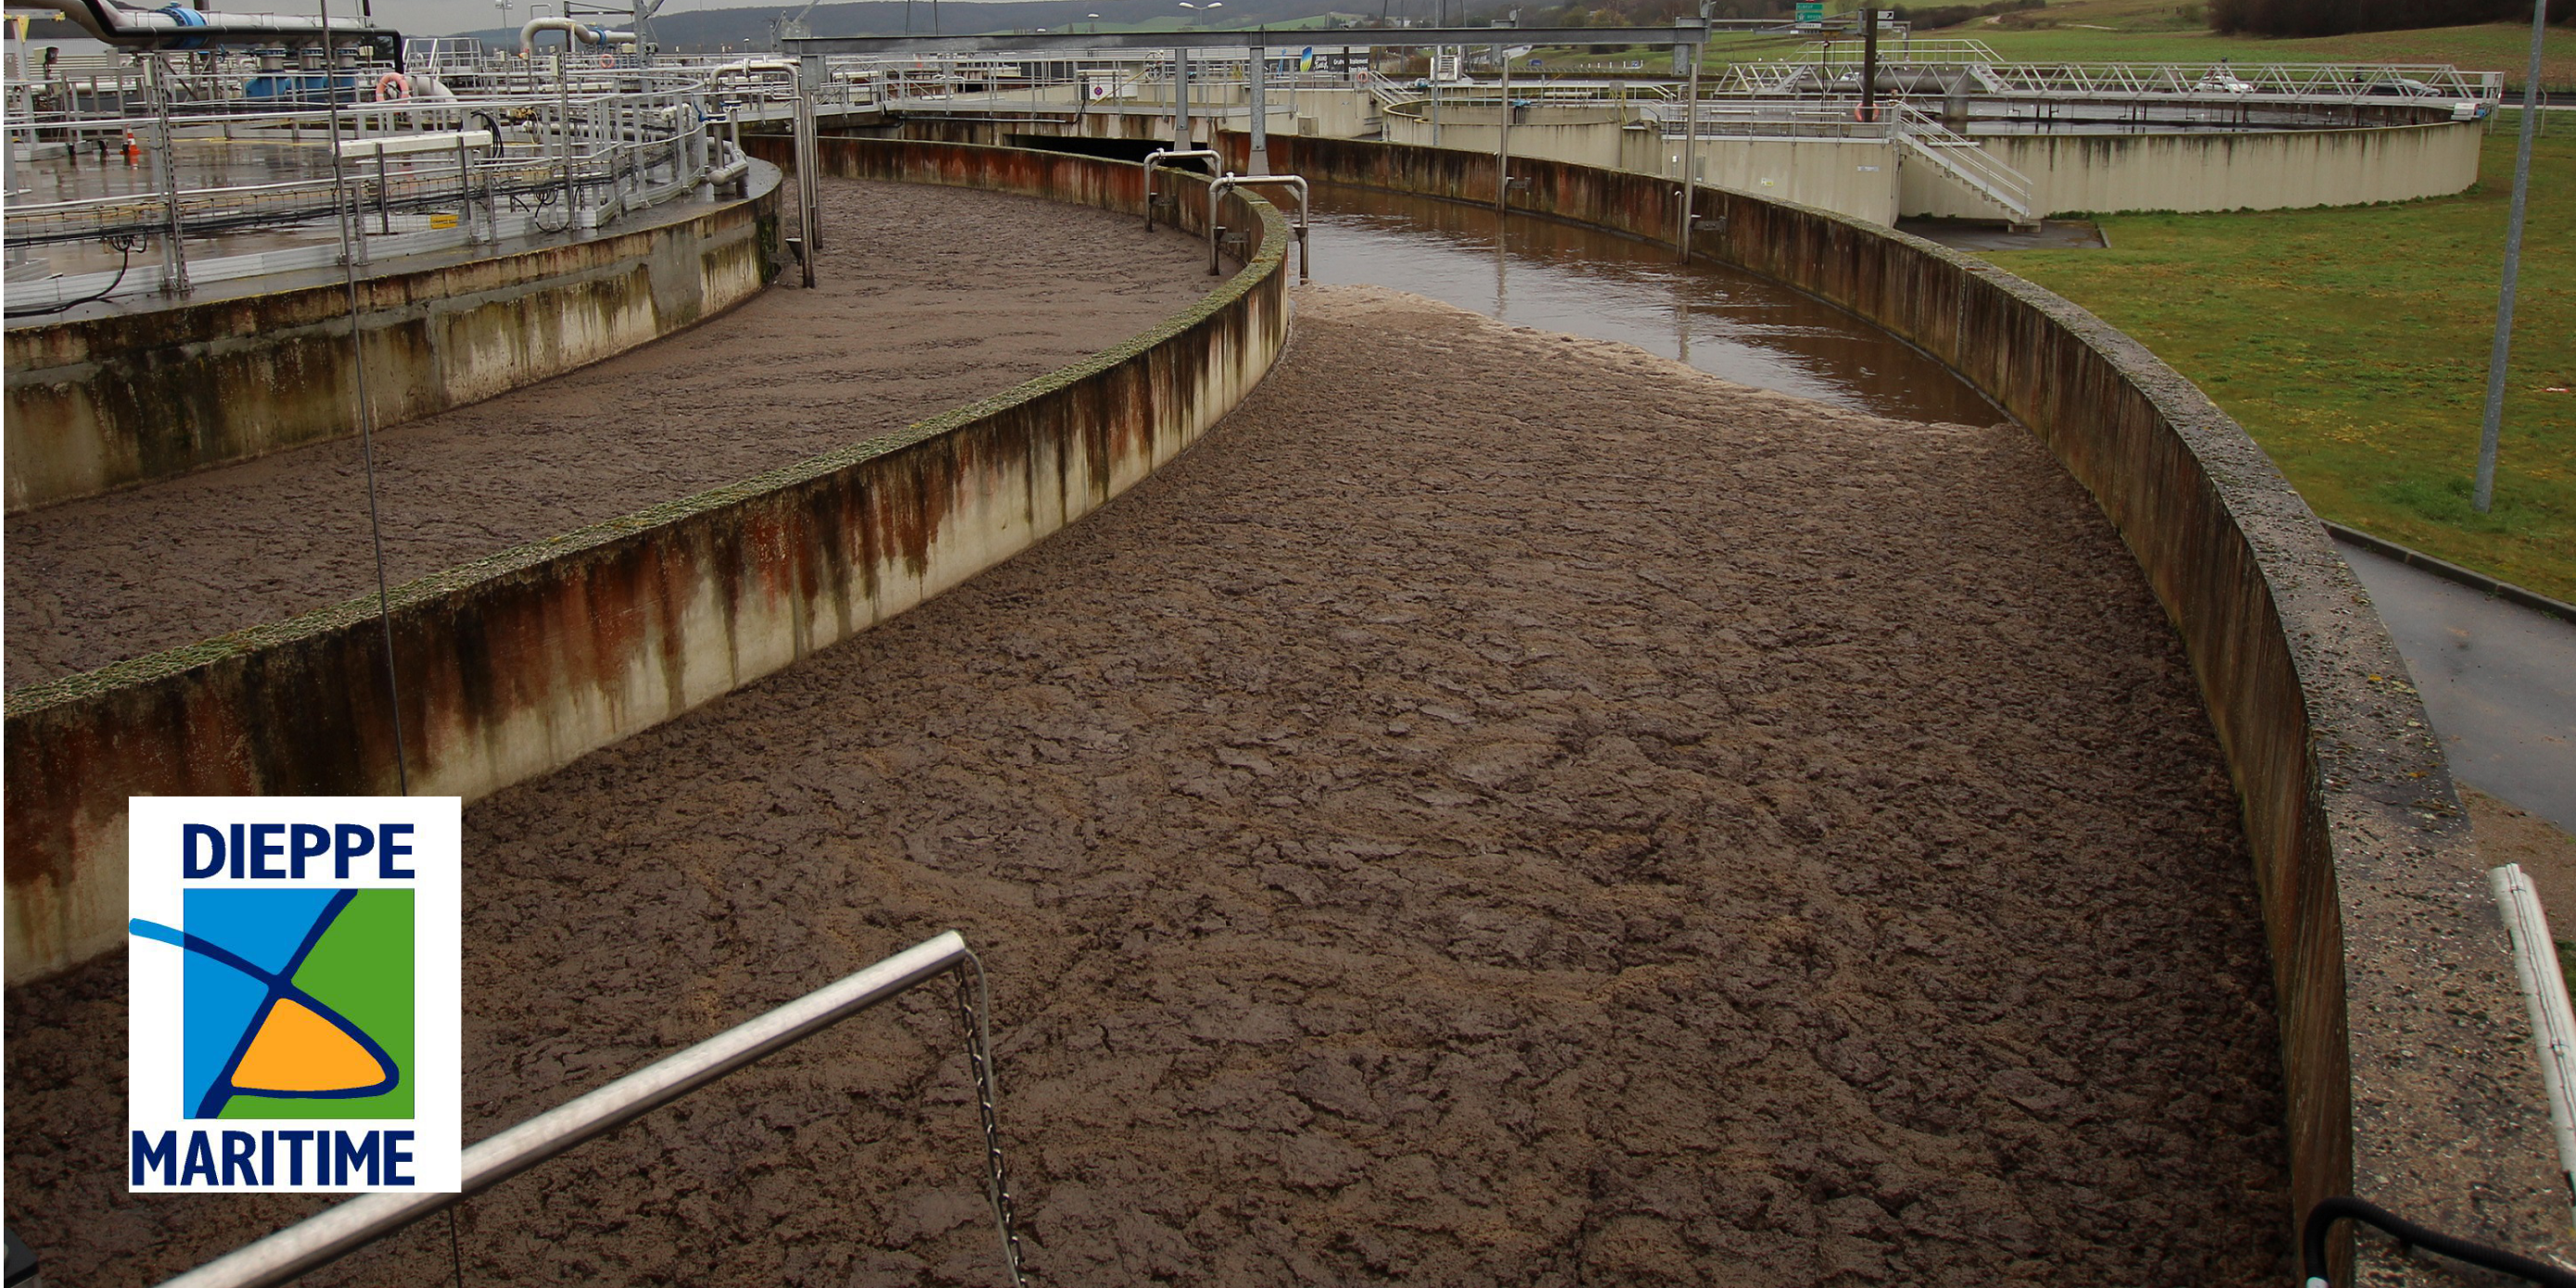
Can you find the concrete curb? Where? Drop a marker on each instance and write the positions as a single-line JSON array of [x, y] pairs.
[[2477, 581]]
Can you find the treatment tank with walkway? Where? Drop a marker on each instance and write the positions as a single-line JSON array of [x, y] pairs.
[[1485, 745]]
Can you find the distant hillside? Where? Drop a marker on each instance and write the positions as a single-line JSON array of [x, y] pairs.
[[705, 30], [2337, 17]]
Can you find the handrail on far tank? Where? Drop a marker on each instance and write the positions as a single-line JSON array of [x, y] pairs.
[[322, 1239], [1161, 155], [1305, 253]]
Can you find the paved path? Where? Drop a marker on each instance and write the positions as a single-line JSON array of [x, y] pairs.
[[2498, 680]]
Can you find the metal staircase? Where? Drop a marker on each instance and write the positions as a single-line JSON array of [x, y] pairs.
[[1958, 157]]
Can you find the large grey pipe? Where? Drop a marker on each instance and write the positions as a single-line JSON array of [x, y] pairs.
[[573, 31], [179, 28]]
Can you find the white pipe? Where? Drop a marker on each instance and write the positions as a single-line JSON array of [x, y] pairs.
[[585, 35], [323, 1238], [787, 65], [118, 25], [2544, 992]]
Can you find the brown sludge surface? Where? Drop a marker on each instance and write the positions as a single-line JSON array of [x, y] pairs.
[[1503, 810], [928, 298]]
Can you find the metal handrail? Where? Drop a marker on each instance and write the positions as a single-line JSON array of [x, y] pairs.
[[1156, 158], [2544, 995], [2295, 83], [1923, 134], [316, 1242], [1297, 182]]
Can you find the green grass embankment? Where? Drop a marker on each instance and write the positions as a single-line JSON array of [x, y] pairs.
[[2353, 344]]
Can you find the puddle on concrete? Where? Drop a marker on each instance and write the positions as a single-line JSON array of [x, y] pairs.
[[1971, 235], [1557, 277]]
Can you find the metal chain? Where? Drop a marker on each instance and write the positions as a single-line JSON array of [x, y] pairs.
[[975, 1006]]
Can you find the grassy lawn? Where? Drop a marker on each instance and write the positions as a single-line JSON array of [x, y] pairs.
[[2353, 344]]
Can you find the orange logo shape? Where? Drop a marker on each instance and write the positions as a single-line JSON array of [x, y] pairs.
[[297, 1050]]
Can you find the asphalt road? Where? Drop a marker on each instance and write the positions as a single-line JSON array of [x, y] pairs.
[[2499, 682]]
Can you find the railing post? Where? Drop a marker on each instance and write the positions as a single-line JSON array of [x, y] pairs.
[[1690, 150], [1258, 77], [174, 262]]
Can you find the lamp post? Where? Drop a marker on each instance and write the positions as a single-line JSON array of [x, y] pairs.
[[2483, 495], [1181, 93]]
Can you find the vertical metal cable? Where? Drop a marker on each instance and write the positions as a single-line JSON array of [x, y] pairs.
[[366, 405], [975, 1008], [455, 1246]]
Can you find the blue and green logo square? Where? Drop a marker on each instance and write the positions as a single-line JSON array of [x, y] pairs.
[[297, 1003]]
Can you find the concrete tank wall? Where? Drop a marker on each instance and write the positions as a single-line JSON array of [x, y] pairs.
[[514, 665], [1581, 134], [107, 402], [1855, 177], [2411, 1071], [2265, 170]]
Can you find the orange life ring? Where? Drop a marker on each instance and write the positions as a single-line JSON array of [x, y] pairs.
[[392, 85]]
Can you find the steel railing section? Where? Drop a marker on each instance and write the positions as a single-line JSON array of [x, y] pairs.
[[1908, 50], [408, 239], [1955, 154], [291, 1252], [641, 137], [2301, 83], [205, 211], [1722, 119], [1919, 132], [1387, 90]]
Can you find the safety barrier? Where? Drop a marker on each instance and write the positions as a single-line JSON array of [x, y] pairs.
[[518, 663], [289, 1253], [2410, 1072], [102, 403]]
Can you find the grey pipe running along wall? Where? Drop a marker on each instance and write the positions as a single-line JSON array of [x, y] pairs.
[[100, 403], [2413, 1081], [515, 665]]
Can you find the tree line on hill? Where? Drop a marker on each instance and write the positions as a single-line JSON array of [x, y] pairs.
[[2339, 17]]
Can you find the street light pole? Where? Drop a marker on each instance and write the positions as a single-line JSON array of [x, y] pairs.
[[1690, 144], [1259, 162], [2493, 427], [1503, 145]]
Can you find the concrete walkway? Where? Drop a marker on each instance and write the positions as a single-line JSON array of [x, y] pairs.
[[2498, 680]]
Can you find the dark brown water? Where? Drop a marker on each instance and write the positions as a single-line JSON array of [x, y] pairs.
[[1558, 277]]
